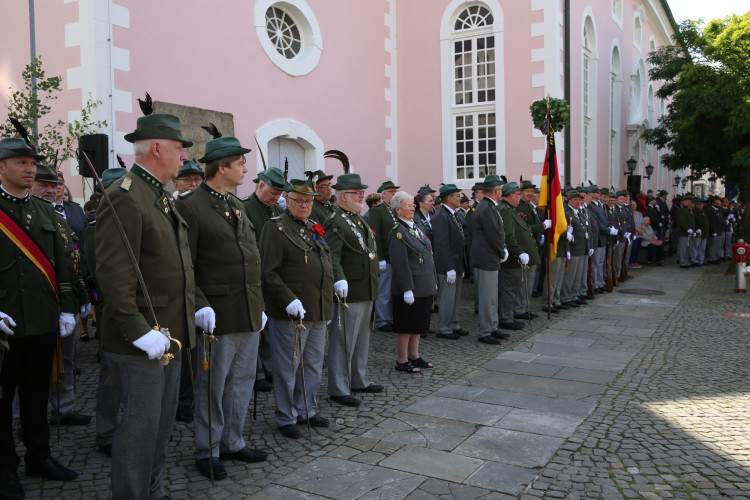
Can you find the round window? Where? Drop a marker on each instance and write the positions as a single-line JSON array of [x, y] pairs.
[[283, 32], [289, 34]]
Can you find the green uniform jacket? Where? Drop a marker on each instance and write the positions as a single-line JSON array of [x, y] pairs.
[[321, 212], [529, 215], [701, 222], [73, 256], [225, 257], [357, 265], [296, 266], [158, 236], [684, 220], [381, 221], [518, 237], [259, 213], [25, 293]]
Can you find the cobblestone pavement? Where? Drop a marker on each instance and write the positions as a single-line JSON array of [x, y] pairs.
[[629, 396]]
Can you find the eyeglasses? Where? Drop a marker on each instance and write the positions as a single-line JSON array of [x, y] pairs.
[[358, 193], [302, 203]]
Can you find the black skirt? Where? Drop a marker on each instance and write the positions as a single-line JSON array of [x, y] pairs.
[[415, 318]]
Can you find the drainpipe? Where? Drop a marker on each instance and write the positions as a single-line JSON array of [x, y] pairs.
[[32, 44], [566, 24]]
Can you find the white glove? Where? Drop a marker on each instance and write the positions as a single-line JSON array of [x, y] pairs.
[[714, 235], [591, 252], [505, 255], [5, 328], [295, 309], [153, 343], [570, 229], [341, 287], [67, 324], [690, 231], [381, 266], [627, 236], [547, 224], [698, 232], [727, 221], [730, 216], [569, 235], [541, 240], [263, 320], [524, 258], [409, 297], [660, 224], [451, 277], [567, 255], [205, 319], [85, 310], [613, 231]]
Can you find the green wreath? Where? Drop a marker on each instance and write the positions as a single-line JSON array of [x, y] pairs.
[[559, 111]]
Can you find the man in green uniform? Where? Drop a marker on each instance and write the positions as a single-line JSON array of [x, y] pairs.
[[381, 222], [188, 178], [529, 214], [322, 207], [698, 249], [355, 273], [131, 340], [684, 222], [36, 302], [298, 291], [229, 304]]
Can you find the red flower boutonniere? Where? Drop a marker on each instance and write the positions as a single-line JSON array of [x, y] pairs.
[[318, 230]]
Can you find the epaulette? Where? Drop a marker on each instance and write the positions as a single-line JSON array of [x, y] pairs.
[[185, 194], [245, 198], [92, 223], [277, 218], [231, 194], [126, 183]]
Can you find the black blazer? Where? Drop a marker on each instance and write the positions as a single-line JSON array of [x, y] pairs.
[[77, 221], [448, 243], [487, 237], [411, 258]]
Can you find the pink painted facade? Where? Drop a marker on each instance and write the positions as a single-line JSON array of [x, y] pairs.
[[373, 78]]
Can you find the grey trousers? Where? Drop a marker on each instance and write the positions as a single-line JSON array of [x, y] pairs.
[[571, 279], [582, 282], [597, 266], [450, 301], [487, 282], [521, 304], [139, 445], [348, 351], [264, 367], [727, 245], [107, 406], [67, 391], [713, 251], [617, 256], [287, 375], [233, 363], [682, 250], [556, 275], [510, 282], [383, 308]]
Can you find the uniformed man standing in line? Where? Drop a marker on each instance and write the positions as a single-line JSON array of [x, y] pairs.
[[381, 222], [188, 178], [684, 222], [229, 304], [322, 206], [38, 305], [577, 251], [298, 289], [133, 345], [598, 214], [529, 214], [355, 272], [715, 229], [698, 250]]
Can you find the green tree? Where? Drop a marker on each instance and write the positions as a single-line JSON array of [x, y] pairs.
[[706, 79], [56, 139]]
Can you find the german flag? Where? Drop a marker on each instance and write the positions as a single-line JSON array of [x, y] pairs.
[[550, 196]]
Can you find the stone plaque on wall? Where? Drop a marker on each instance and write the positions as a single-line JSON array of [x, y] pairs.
[[192, 119]]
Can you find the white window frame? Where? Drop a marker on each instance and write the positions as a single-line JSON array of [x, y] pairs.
[[617, 12], [588, 98], [615, 113], [637, 31]]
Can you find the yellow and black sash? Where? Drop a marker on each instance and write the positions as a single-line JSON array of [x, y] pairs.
[[20, 237]]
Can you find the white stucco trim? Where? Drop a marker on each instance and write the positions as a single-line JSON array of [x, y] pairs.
[[588, 13], [299, 132], [312, 39], [391, 92], [446, 93]]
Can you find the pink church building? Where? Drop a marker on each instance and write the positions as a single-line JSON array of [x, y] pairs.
[[416, 91]]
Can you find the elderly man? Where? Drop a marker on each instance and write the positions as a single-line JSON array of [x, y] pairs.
[[132, 342], [598, 216], [579, 245], [229, 304], [30, 317], [381, 222], [355, 272], [684, 222], [322, 207], [188, 178], [297, 284], [527, 210], [488, 252]]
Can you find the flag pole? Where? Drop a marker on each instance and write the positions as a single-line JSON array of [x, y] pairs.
[[550, 232]]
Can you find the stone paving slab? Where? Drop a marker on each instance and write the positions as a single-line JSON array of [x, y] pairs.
[[275, 492], [465, 392], [561, 340], [422, 430], [543, 386], [479, 413], [433, 463], [583, 375], [538, 403], [502, 477], [574, 352], [510, 447], [536, 422], [522, 367]]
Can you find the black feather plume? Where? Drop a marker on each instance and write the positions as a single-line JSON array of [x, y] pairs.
[[505, 179], [522, 180], [260, 150], [119, 160], [286, 169], [211, 129], [591, 183], [22, 132], [308, 174], [147, 106], [340, 156]]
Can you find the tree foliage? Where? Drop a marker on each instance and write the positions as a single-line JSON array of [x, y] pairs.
[[559, 113], [706, 79], [55, 139]]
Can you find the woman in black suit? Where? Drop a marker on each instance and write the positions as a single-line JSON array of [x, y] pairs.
[[413, 285]]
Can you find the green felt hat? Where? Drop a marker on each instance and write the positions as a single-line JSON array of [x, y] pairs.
[[527, 185], [510, 188], [650, 199], [604, 191], [426, 189], [45, 173], [574, 194], [158, 126], [477, 187], [274, 177], [189, 167], [492, 180], [300, 186], [348, 181], [320, 174], [448, 189], [387, 185], [464, 198], [699, 200], [111, 175], [438, 201], [15, 146], [222, 147]]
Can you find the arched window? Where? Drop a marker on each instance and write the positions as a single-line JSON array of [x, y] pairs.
[[615, 117], [638, 80], [588, 169], [637, 31]]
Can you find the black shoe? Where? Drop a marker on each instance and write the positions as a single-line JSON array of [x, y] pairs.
[[430, 330], [461, 332], [571, 304], [85, 337], [348, 400], [184, 414], [511, 325], [71, 418], [660, 263], [372, 389], [580, 302], [553, 310], [316, 421], [499, 334], [263, 385], [49, 468], [246, 454], [488, 339], [526, 315], [106, 449], [563, 306], [291, 431], [388, 327], [450, 336], [204, 467], [435, 309], [10, 486], [536, 294]]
